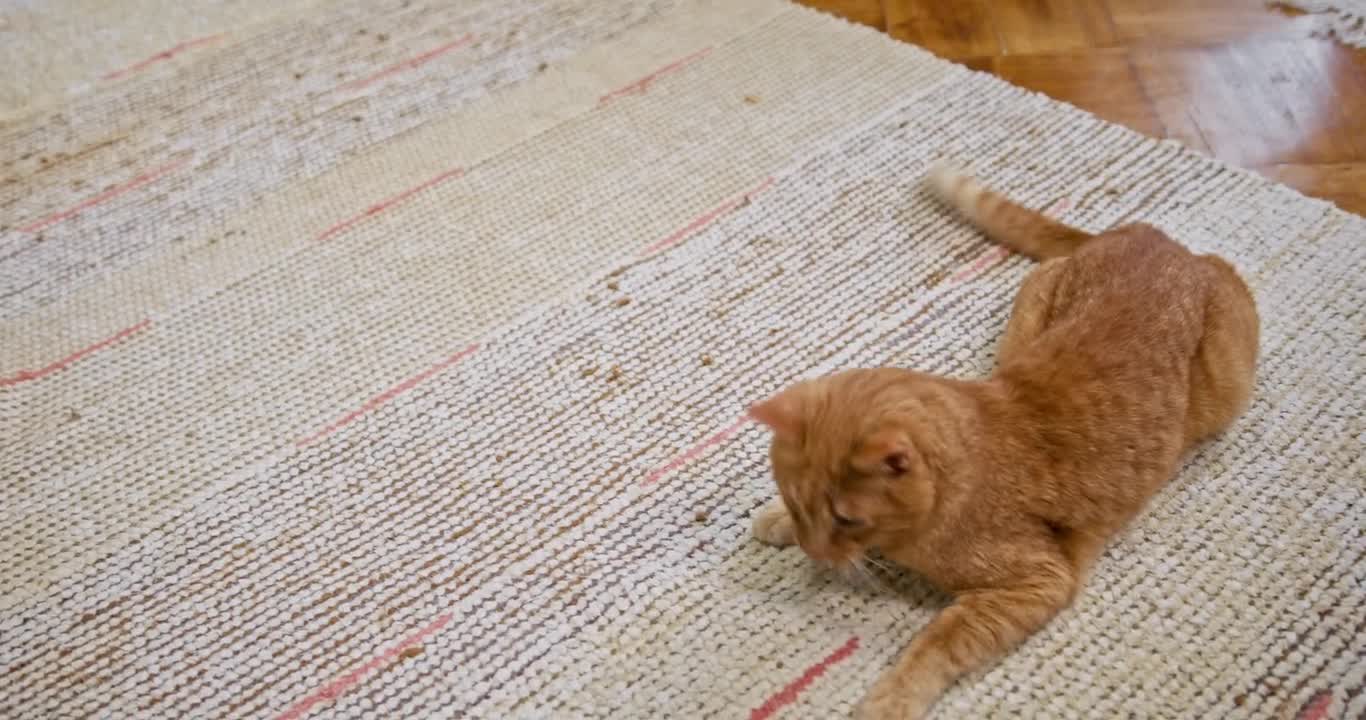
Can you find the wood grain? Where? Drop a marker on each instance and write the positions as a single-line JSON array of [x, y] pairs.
[[859, 11], [1261, 101], [1195, 22], [1230, 78], [1051, 26], [962, 28]]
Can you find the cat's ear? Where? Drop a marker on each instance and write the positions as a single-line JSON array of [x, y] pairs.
[[782, 413], [887, 452]]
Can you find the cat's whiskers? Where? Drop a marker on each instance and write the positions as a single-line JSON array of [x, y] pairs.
[[882, 565], [856, 572]]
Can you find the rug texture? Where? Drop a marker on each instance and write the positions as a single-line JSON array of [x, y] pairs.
[[388, 359], [1343, 19]]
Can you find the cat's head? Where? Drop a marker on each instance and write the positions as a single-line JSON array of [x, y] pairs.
[[857, 457]]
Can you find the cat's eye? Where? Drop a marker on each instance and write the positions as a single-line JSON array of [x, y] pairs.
[[845, 522]]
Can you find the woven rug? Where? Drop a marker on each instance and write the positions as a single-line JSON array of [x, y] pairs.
[[388, 359], [1343, 19]]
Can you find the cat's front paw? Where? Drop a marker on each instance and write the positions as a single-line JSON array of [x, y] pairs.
[[890, 700], [773, 526]]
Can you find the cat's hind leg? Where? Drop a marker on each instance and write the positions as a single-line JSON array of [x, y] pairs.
[[1033, 306], [1225, 363], [773, 525]]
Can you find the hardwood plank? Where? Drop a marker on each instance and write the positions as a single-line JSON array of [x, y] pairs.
[[1161, 75], [1262, 101], [865, 12], [1343, 184], [1231, 78], [956, 29], [1199, 22], [1050, 26], [1100, 81]]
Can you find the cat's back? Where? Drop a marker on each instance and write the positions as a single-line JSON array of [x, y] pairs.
[[1124, 320], [1135, 291], [1099, 396]]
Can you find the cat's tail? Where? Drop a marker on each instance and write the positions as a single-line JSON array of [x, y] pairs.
[[1023, 230]]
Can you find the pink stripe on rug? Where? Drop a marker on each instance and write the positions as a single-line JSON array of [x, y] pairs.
[[334, 689], [409, 64], [386, 204], [640, 86], [708, 217], [989, 258], [1058, 207], [386, 396], [104, 196], [789, 694], [27, 375], [693, 452], [1317, 707], [163, 55]]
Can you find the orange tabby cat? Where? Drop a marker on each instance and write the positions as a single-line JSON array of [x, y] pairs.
[[1123, 350]]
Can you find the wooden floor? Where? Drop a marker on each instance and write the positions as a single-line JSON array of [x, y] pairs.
[[1231, 78]]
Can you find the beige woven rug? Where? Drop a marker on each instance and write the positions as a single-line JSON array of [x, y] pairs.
[[387, 359], [1343, 19]]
